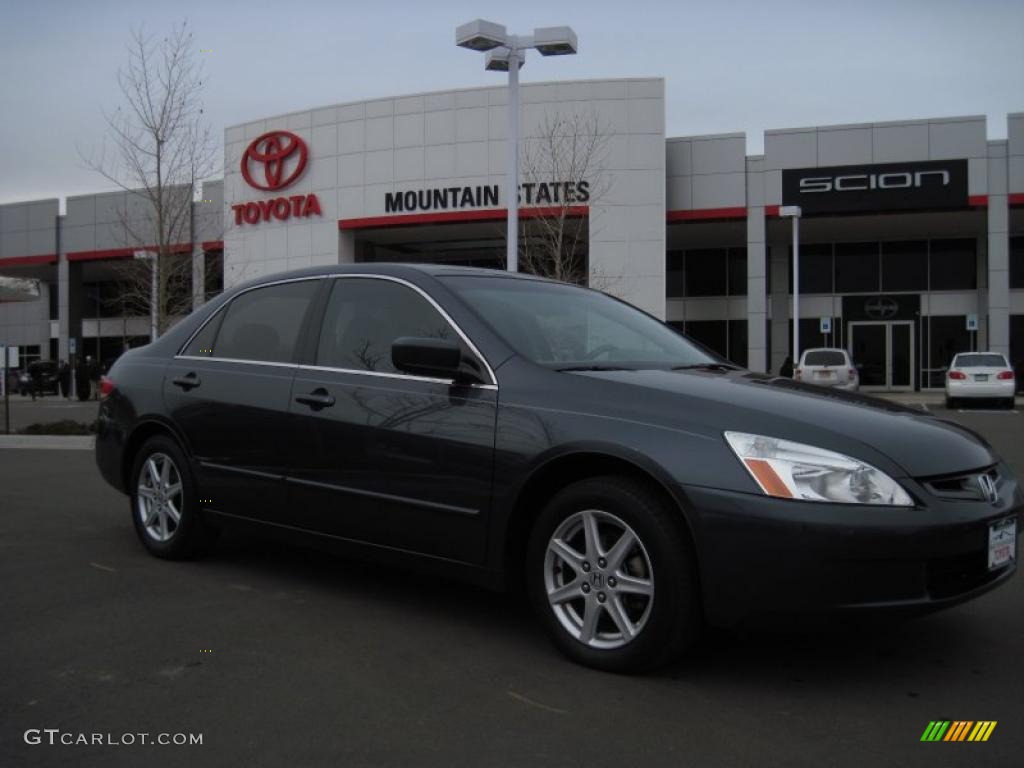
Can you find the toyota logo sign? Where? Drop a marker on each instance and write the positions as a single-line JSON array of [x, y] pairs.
[[274, 151]]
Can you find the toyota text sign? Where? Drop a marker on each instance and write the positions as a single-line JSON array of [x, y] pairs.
[[270, 163]]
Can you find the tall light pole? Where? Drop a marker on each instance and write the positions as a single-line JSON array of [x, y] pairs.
[[507, 53], [154, 265], [793, 212]]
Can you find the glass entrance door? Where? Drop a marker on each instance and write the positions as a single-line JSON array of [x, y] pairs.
[[883, 353]]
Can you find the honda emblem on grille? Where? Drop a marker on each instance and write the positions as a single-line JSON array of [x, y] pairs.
[[988, 488]]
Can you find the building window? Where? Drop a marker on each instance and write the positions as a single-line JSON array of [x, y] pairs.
[[946, 336], [674, 274], [706, 272], [857, 268], [214, 276], [737, 273], [1017, 262], [952, 265], [738, 342], [711, 333], [905, 266], [815, 268]]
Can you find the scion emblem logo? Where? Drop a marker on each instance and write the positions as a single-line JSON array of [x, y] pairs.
[[274, 151], [881, 307]]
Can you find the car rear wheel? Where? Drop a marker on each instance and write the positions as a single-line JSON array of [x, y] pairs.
[[950, 403], [164, 503], [612, 576], [1009, 403]]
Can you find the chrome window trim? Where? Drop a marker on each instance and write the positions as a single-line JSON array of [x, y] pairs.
[[236, 360], [401, 281], [388, 375]]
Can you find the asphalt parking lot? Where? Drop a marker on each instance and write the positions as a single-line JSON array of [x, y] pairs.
[[284, 657]]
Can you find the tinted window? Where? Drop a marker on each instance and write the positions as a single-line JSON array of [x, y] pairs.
[[565, 326], [674, 273], [857, 268], [364, 317], [979, 361], [263, 324], [824, 357], [815, 268], [710, 333], [905, 266], [202, 344], [952, 265]]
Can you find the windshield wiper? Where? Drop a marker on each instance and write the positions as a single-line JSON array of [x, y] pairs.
[[706, 367], [592, 368]]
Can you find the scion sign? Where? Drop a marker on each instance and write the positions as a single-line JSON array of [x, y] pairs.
[[933, 185]]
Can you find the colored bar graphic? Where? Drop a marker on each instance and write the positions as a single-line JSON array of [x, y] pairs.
[[958, 730]]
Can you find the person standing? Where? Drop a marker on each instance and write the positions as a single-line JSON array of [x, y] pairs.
[[64, 379]]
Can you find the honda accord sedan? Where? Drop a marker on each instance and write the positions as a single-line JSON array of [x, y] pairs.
[[519, 432]]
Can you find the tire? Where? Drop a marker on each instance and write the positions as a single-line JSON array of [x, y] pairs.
[[950, 403], [1009, 403], [661, 624], [160, 533]]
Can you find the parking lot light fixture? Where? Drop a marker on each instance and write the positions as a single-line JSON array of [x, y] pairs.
[[507, 53], [793, 212]]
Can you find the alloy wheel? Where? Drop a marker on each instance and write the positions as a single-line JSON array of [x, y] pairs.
[[159, 497], [599, 580]]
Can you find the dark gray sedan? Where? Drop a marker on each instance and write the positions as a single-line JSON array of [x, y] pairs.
[[510, 430]]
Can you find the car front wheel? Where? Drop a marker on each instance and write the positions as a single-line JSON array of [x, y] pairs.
[[164, 502], [612, 576]]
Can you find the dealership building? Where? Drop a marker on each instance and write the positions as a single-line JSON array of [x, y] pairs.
[[911, 236]]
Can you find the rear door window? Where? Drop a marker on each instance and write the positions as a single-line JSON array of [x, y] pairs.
[[980, 361], [263, 324]]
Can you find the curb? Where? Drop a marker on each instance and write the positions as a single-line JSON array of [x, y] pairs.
[[50, 442]]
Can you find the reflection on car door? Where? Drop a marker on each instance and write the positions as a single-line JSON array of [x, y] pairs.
[[385, 458], [229, 393]]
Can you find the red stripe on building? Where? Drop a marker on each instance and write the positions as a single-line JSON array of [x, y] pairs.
[[125, 253], [24, 261], [1016, 199], [704, 214], [978, 201], [447, 217]]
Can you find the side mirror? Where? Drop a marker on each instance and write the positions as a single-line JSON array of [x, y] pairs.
[[437, 358]]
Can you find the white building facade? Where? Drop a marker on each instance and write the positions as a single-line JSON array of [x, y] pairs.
[[912, 243]]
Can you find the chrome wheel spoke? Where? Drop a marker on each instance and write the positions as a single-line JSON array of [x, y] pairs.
[[146, 492], [591, 613], [173, 490], [567, 554], [618, 613], [173, 513], [621, 548], [591, 536], [633, 586], [154, 472], [150, 514], [566, 592], [165, 473]]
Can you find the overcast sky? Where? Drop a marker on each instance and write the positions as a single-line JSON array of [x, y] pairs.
[[729, 66]]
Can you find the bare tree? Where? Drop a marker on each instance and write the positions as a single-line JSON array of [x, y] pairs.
[[567, 155], [158, 148]]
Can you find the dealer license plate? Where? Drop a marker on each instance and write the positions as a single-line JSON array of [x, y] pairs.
[[1002, 543], [981, 377], [826, 374]]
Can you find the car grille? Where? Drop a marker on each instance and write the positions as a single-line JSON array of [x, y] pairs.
[[966, 486]]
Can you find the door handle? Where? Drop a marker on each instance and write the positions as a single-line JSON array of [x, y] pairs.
[[187, 382], [317, 399]]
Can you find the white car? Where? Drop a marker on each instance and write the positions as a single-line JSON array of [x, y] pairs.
[[980, 375], [827, 367]]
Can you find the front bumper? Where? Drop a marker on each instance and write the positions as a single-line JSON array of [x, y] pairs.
[[761, 559]]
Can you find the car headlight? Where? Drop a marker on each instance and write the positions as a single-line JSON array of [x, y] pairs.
[[791, 470]]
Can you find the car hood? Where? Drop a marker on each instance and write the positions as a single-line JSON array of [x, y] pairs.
[[858, 425]]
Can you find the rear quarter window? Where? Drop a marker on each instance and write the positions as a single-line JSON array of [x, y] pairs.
[[825, 358]]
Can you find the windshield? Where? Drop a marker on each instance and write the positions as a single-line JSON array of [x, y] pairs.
[[563, 326], [824, 357], [979, 361]]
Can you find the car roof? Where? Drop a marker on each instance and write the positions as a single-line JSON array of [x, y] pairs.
[[824, 349]]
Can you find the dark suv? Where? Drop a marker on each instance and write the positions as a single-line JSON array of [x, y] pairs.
[[503, 428]]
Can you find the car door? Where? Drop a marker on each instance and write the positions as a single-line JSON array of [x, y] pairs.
[[229, 392], [382, 457]]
